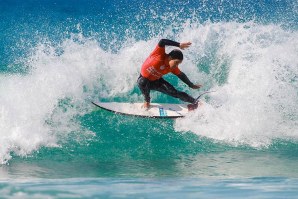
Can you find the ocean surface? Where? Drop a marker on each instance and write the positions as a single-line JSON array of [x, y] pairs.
[[57, 56]]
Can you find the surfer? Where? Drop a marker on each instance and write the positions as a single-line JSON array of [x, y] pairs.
[[158, 64]]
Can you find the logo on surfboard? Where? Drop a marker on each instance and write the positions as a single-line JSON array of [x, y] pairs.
[[162, 112]]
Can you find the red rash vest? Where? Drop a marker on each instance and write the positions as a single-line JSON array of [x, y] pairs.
[[157, 65]]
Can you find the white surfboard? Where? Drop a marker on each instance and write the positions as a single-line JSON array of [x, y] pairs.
[[156, 110]]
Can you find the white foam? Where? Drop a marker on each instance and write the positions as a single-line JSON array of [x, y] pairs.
[[80, 71], [258, 101]]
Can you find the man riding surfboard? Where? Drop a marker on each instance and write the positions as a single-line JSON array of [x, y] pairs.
[[158, 64]]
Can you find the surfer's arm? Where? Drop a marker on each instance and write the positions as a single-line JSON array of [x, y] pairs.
[[167, 42], [185, 79]]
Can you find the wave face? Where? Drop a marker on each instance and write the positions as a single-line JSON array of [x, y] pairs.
[[58, 56]]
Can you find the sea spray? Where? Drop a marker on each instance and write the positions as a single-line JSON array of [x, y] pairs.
[[38, 107], [258, 101]]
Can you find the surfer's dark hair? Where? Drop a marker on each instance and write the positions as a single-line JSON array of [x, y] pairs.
[[176, 54]]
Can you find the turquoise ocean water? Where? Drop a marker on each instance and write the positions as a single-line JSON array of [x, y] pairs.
[[56, 56]]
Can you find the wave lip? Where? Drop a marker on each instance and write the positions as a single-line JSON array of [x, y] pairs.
[[252, 66]]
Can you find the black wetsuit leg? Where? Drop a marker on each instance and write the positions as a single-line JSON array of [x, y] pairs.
[[163, 86], [144, 85]]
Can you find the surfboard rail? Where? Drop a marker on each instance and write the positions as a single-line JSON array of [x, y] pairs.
[[156, 110]]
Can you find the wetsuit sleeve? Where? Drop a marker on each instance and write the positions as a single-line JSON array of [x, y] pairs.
[[167, 42], [185, 79]]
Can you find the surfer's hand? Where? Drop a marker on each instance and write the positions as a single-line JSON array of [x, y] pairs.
[[184, 45], [146, 105], [196, 86]]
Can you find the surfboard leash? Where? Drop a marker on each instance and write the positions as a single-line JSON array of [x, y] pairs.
[[197, 99]]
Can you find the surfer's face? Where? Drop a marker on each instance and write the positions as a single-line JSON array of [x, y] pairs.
[[174, 63]]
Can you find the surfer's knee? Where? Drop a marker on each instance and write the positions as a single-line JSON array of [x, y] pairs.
[[142, 82]]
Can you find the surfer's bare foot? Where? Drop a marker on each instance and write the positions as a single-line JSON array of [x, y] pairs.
[[146, 105], [192, 107]]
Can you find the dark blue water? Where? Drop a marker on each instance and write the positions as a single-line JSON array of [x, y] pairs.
[[58, 56]]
